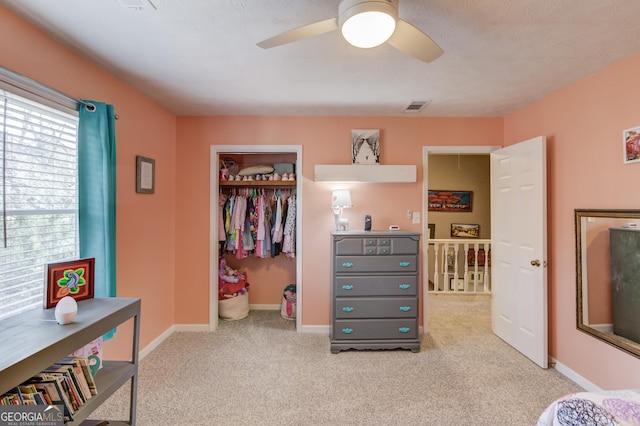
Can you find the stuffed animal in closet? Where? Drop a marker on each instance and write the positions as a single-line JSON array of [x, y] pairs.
[[231, 283], [226, 273]]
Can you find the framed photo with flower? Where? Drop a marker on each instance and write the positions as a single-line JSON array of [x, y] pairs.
[[631, 145], [73, 278]]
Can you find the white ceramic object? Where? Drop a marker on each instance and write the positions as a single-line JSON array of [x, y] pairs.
[[66, 310]]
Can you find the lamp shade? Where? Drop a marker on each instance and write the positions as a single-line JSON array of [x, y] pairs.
[[341, 198], [367, 23]]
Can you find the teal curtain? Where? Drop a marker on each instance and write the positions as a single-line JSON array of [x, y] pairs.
[[97, 193]]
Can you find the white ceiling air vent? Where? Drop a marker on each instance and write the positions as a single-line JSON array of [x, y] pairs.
[[416, 106], [136, 4]]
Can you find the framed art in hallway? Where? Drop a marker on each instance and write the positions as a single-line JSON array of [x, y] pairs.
[[449, 201], [631, 145], [465, 230]]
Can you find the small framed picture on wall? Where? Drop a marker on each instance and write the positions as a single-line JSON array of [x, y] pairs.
[[631, 145], [145, 175]]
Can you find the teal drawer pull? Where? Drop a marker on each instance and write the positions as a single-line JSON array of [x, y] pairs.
[[405, 308], [404, 264], [370, 251], [403, 329], [404, 286], [347, 265], [384, 251], [348, 308], [347, 330], [347, 287]]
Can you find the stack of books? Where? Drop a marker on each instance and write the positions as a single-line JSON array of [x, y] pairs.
[[69, 383]]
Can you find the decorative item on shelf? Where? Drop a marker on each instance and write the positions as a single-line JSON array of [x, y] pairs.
[[145, 175], [449, 201], [224, 172], [631, 145], [231, 165], [340, 199], [74, 278], [365, 146], [66, 310], [255, 170]]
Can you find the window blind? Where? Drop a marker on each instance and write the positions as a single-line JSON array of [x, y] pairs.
[[38, 198]]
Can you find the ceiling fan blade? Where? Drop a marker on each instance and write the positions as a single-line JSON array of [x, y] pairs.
[[414, 42], [307, 31]]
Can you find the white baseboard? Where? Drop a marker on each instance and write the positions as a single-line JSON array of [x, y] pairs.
[[316, 329], [264, 307], [192, 327], [578, 379], [168, 332], [156, 342]]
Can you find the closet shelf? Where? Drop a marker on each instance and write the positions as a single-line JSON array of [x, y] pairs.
[[258, 183]]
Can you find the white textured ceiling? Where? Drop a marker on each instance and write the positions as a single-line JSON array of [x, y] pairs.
[[199, 57]]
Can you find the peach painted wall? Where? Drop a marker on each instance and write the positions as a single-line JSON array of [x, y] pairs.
[[145, 223], [325, 140], [583, 124]]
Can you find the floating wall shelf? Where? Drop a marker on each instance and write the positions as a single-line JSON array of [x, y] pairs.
[[365, 173]]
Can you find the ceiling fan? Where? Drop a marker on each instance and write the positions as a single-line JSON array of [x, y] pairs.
[[365, 24]]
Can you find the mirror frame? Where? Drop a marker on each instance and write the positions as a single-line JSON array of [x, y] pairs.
[[622, 344]]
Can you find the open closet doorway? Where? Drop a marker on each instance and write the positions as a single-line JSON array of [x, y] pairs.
[[287, 268]]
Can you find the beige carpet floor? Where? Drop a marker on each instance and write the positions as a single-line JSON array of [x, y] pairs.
[[259, 371]]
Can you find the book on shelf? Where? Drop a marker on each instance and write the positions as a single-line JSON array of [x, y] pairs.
[[85, 367], [52, 386], [31, 395], [69, 386], [75, 370], [13, 397], [69, 382]]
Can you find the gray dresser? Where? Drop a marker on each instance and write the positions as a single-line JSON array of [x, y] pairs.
[[375, 290]]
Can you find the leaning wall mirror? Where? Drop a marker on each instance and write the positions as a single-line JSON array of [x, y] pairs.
[[608, 276]]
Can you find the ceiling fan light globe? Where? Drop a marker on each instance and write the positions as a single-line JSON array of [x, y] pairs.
[[368, 29]]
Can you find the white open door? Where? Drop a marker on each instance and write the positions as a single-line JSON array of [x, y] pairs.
[[519, 247]]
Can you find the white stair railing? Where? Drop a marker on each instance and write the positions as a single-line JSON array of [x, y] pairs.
[[459, 265]]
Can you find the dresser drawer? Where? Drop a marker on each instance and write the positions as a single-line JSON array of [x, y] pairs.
[[378, 285], [376, 245], [376, 307], [375, 329], [376, 264]]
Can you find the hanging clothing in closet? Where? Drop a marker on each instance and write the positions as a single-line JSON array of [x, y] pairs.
[[258, 224]]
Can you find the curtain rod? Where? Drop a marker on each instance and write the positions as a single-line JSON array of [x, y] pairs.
[[28, 85]]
